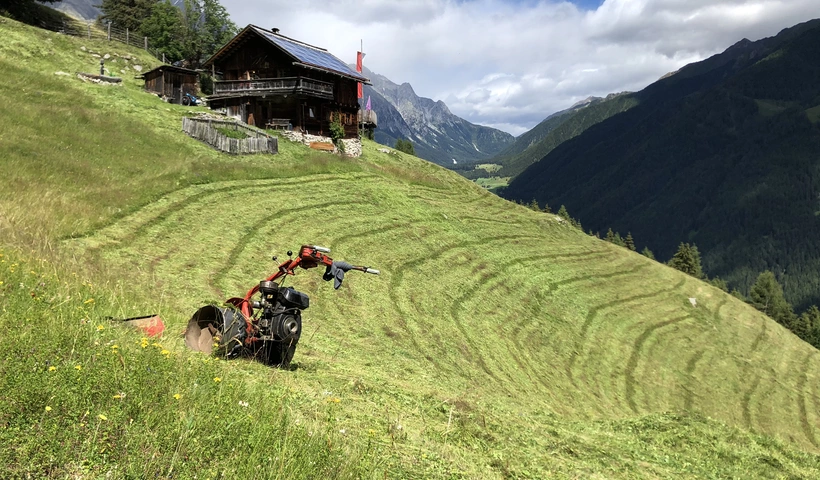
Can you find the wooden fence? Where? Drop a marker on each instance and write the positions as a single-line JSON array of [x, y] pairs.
[[206, 131], [102, 31]]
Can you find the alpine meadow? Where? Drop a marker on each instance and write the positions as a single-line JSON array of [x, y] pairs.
[[498, 342]]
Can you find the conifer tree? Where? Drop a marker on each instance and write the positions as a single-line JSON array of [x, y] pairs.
[[766, 295], [687, 260], [720, 283], [406, 146], [646, 252], [128, 14], [610, 236], [216, 27], [630, 242], [811, 318], [563, 213], [165, 30], [617, 240], [547, 208], [534, 205], [801, 326]]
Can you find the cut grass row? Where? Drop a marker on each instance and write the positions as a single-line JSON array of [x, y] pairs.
[[420, 319]]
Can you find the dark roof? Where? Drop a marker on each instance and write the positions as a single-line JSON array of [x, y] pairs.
[[170, 68], [304, 55]]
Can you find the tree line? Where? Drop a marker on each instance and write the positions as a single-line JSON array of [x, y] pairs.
[[765, 294], [188, 34]]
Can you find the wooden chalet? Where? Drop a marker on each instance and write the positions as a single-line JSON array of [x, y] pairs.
[[272, 81], [172, 82]]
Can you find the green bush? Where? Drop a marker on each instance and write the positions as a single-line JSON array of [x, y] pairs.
[[232, 133], [405, 146]]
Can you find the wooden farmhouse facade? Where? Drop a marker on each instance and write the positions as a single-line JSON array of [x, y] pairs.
[[172, 83], [272, 81]]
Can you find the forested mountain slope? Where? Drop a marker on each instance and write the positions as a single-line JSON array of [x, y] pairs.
[[498, 342], [556, 129], [723, 154]]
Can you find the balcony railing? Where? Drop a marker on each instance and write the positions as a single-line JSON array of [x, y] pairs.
[[281, 85], [368, 116]]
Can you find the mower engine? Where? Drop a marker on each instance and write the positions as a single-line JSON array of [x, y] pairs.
[[267, 322]]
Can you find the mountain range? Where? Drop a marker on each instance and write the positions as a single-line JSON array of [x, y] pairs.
[[556, 129], [82, 9], [722, 153], [437, 134]]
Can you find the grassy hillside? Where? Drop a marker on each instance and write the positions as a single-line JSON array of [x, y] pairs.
[[497, 343]]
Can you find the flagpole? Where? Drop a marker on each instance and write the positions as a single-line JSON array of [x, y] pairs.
[[361, 52]]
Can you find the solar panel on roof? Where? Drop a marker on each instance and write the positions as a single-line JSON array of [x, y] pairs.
[[312, 56]]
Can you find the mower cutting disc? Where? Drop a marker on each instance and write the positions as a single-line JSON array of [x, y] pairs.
[[211, 326]]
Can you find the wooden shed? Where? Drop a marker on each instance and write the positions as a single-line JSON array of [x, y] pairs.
[[171, 82], [269, 80]]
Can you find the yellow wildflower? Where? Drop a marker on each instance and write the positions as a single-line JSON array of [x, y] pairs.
[[217, 379], [48, 409], [165, 352], [90, 300], [100, 328], [114, 347], [144, 342], [177, 396], [78, 367], [102, 417], [52, 368]]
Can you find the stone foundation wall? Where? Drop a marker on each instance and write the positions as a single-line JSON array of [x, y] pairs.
[[353, 146]]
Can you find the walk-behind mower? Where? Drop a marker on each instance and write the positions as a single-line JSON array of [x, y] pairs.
[[267, 322]]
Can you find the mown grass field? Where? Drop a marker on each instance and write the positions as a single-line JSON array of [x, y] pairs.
[[492, 183], [497, 343]]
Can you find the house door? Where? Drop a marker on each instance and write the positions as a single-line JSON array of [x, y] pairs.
[[177, 89]]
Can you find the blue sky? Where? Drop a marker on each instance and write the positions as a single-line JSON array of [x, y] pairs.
[[588, 4], [583, 4], [511, 63]]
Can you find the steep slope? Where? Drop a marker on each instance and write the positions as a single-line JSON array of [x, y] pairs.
[[720, 154], [498, 342], [437, 134], [558, 128]]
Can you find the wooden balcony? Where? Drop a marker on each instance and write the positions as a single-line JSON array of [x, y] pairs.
[[266, 86], [368, 117]]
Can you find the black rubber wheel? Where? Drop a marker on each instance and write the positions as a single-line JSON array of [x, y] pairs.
[[278, 354], [186, 101]]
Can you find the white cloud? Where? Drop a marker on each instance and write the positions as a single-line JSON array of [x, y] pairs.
[[510, 64]]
